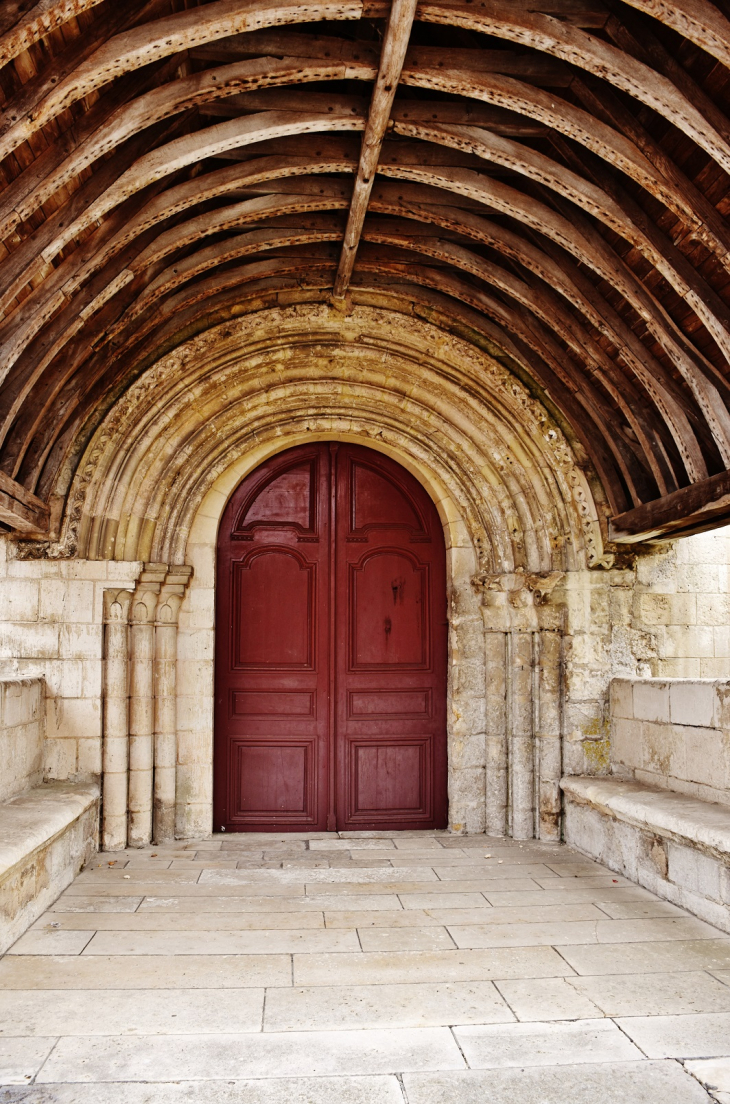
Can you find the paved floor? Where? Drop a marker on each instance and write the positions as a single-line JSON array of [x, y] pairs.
[[420, 968]]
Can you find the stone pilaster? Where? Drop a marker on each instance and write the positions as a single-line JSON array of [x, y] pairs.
[[171, 596], [115, 748], [523, 651], [142, 703]]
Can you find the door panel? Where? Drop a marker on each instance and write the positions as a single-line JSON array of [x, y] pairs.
[[330, 647], [274, 618], [389, 614]]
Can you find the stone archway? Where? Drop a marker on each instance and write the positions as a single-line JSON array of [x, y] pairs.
[[517, 508]]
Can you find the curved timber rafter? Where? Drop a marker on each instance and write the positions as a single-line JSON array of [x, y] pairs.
[[552, 177]]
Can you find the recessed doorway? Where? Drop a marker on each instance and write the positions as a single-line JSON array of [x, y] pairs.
[[331, 645]]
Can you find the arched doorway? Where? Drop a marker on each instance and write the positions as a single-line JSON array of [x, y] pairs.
[[331, 638]]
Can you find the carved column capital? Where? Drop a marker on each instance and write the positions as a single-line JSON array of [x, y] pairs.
[[116, 606], [172, 593]]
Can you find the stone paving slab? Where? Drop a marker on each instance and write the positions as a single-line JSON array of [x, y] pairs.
[[419, 1005], [268, 1054], [607, 1082], [375, 968], [494, 1046], [131, 1011], [279, 1090]]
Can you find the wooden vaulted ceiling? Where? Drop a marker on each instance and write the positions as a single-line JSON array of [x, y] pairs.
[[551, 174]]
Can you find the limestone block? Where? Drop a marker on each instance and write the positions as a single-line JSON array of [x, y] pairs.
[[73, 717], [28, 641], [678, 641], [64, 678], [707, 756], [198, 609], [702, 578], [586, 684], [713, 668], [81, 641], [695, 872], [712, 547], [664, 749], [195, 746], [599, 606], [88, 760], [92, 678], [66, 600], [60, 759], [22, 702], [668, 609], [193, 786], [194, 712], [33, 569], [467, 679], [627, 827], [201, 556], [94, 570], [620, 602], [627, 745], [679, 668], [47, 835], [692, 703], [653, 609], [651, 700], [621, 698], [194, 821], [466, 799], [195, 644], [713, 609], [19, 600], [468, 751]]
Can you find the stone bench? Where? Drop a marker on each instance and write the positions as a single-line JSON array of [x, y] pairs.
[[675, 845], [46, 836]]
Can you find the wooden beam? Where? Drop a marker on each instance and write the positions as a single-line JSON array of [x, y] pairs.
[[698, 20], [693, 509], [21, 509], [395, 44], [21, 28]]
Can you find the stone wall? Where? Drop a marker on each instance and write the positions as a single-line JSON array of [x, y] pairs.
[[51, 627], [673, 734], [673, 618], [666, 614], [22, 730]]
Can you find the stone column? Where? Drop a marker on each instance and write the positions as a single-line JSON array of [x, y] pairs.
[[549, 749], [141, 703], [497, 755], [521, 744], [523, 645], [115, 748], [165, 742]]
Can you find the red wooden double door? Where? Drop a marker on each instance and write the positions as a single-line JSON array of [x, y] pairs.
[[330, 648]]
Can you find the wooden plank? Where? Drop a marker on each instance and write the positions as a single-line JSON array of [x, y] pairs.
[[20, 28], [571, 44], [96, 137], [393, 55], [23, 511], [697, 20], [701, 506], [152, 41]]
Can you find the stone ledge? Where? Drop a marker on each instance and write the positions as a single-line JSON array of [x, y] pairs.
[[673, 845], [46, 835], [671, 815]]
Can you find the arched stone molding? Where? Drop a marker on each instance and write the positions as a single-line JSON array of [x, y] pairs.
[[396, 380], [517, 510]]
